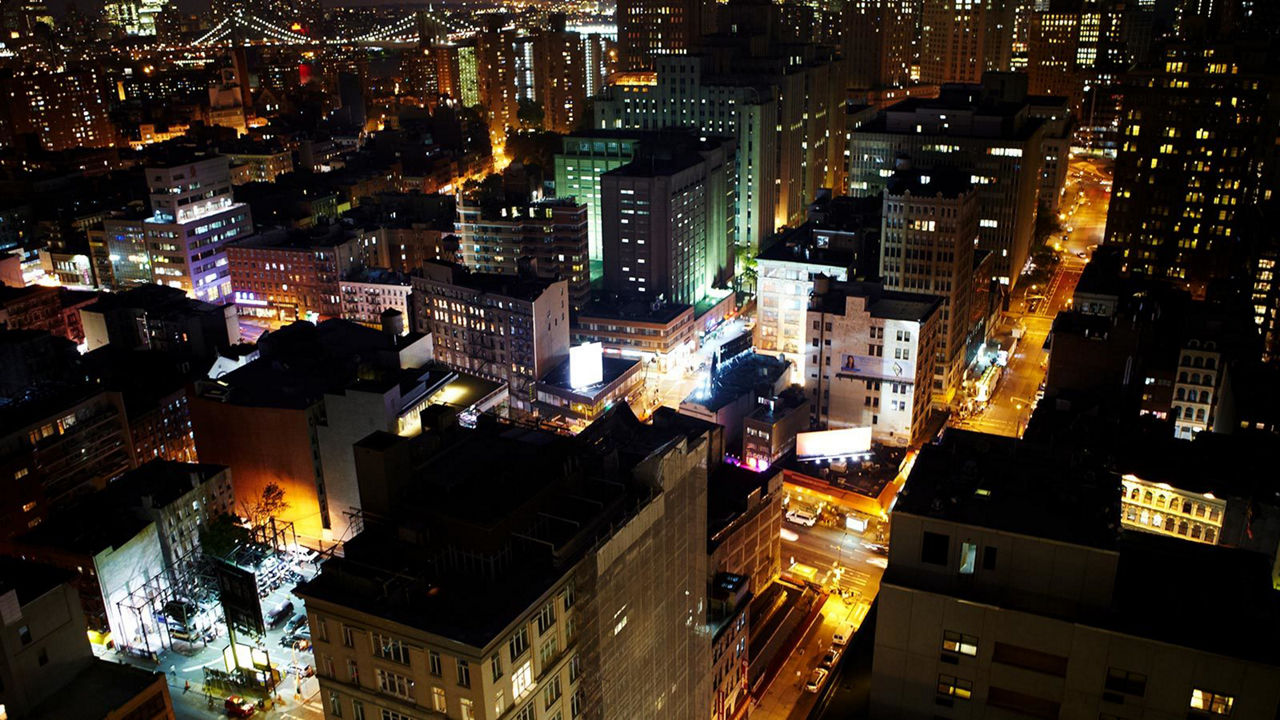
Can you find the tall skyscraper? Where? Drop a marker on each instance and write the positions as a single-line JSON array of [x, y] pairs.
[[495, 72], [668, 221], [881, 42], [560, 76], [986, 131], [780, 100], [930, 227], [1199, 131], [952, 41], [579, 164], [606, 539], [193, 219], [649, 28], [135, 17]]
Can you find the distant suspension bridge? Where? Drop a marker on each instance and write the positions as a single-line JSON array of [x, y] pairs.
[[423, 26]]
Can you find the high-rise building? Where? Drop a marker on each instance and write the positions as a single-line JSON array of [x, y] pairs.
[[986, 131], [1198, 131], [605, 539], [952, 41], [495, 73], [582, 159], [668, 221], [881, 42], [1012, 590], [930, 228], [502, 328], [57, 445], [193, 219], [870, 361], [560, 76], [1076, 49], [841, 242], [648, 29], [550, 234], [778, 100], [64, 108]]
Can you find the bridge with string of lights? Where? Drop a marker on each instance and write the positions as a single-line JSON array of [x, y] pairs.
[[423, 26]]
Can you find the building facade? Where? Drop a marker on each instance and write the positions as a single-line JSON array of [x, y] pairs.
[[551, 234], [930, 229], [971, 130], [668, 224], [501, 328], [194, 218], [870, 360]]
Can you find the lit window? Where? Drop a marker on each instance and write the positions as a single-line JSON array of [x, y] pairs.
[[1212, 703], [960, 644]]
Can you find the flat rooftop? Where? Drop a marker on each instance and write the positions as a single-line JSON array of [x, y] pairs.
[[30, 580], [486, 521], [97, 691], [1013, 486], [660, 313], [739, 376], [1239, 607], [323, 236], [614, 368], [881, 303], [798, 245], [511, 286]]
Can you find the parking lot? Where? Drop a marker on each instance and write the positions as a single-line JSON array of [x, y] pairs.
[[196, 670]]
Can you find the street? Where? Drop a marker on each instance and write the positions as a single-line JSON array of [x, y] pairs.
[[845, 564], [1083, 217]]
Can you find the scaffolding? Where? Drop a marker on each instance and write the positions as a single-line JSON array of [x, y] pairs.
[[179, 595]]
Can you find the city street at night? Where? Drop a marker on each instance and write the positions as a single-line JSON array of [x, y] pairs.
[[1083, 219]]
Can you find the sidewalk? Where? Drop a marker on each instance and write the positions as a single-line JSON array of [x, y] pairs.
[[785, 698]]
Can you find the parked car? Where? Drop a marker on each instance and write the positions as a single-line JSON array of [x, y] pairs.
[[296, 624], [816, 679], [238, 707], [277, 617], [841, 638], [802, 517], [829, 660]]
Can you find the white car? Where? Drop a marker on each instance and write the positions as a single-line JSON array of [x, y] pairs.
[[818, 677], [802, 517]]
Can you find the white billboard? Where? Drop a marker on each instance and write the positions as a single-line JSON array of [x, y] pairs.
[[586, 365], [833, 443]]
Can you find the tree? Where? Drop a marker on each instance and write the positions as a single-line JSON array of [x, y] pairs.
[[530, 114], [270, 505]]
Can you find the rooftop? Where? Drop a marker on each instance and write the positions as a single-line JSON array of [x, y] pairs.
[[881, 303], [929, 183], [1014, 486], [485, 521], [614, 368], [321, 236], [739, 376], [298, 363], [151, 298], [1241, 602], [99, 690], [635, 310], [523, 288], [30, 580]]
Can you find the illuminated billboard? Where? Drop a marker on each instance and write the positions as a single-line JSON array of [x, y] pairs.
[[586, 365], [833, 443]]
